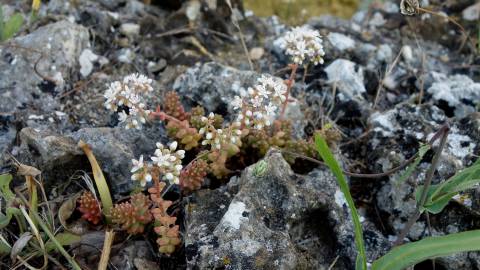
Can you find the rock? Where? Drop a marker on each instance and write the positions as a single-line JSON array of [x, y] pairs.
[[125, 55], [130, 29], [7, 135], [134, 255], [59, 157], [396, 137], [213, 85], [256, 53], [471, 13], [377, 20], [274, 219], [347, 78], [61, 44], [384, 54], [341, 41], [86, 62], [457, 91]]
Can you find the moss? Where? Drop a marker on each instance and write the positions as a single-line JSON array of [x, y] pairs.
[[297, 12]]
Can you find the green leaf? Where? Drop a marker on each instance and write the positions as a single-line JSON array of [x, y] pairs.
[[431, 247], [5, 218], [12, 26], [421, 153], [438, 196], [329, 159], [5, 190], [64, 239], [5, 249]]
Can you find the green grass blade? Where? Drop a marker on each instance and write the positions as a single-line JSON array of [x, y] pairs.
[[12, 26], [330, 161], [432, 247]]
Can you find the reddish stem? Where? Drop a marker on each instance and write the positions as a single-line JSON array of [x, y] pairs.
[[290, 83], [163, 116]]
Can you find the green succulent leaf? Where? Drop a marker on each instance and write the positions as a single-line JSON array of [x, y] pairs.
[[329, 159], [431, 247]]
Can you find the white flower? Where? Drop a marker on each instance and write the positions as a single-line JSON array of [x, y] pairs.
[[271, 109], [237, 102], [129, 92], [257, 101], [137, 164], [303, 45], [140, 171], [169, 161]]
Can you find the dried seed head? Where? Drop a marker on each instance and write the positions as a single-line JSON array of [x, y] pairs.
[[409, 7]]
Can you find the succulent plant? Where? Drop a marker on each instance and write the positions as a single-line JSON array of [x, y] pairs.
[[90, 208], [173, 107], [191, 178], [133, 215], [168, 233], [183, 133]]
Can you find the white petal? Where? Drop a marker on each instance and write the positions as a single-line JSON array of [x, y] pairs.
[[173, 145]]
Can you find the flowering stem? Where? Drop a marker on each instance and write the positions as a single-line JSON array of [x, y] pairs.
[[290, 83], [163, 116]]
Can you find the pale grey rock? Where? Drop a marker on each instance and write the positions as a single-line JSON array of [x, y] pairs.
[[348, 78], [61, 44], [458, 91], [341, 41], [86, 60], [130, 29], [471, 13]]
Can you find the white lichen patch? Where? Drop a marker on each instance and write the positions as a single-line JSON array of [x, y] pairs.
[[234, 215], [340, 198], [454, 90], [247, 246], [458, 145], [384, 123]]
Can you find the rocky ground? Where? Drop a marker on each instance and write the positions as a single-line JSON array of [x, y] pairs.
[[389, 82]]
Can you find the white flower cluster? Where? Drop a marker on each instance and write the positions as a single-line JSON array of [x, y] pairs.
[[303, 45], [259, 105], [167, 160], [129, 93], [219, 138]]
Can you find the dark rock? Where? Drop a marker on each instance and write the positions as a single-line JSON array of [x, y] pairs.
[[275, 219], [213, 85], [59, 157]]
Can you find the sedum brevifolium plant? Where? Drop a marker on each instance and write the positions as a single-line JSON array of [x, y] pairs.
[[257, 125]]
